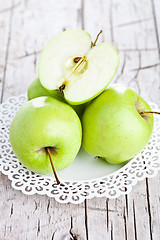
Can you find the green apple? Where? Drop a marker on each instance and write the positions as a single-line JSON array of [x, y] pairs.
[[76, 66], [37, 90], [45, 131], [117, 125]]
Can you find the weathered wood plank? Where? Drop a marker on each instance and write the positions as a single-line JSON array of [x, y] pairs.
[[38, 217], [96, 217], [156, 17], [32, 217], [138, 223], [133, 25], [153, 196], [97, 17], [6, 10], [78, 227], [117, 219]]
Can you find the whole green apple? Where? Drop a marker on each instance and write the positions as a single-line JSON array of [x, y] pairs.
[[116, 125], [45, 127], [37, 90]]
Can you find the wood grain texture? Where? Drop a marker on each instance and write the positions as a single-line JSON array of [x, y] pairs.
[[5, 29], [133, 28], [156, 17]]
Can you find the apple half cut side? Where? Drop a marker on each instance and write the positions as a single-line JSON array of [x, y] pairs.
[[77, 67]]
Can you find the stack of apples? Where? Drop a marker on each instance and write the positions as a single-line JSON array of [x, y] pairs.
[[69, 105]]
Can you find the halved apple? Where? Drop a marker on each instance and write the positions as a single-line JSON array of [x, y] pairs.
[[76, 66]]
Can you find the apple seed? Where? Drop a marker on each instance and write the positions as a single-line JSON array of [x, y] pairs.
[[76, 59]]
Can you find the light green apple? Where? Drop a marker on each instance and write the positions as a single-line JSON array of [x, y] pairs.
[[78, 67], [43, 124], [115, 126], [37, 90]]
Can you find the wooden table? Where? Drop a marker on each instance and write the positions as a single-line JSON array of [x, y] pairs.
[[133, 27]]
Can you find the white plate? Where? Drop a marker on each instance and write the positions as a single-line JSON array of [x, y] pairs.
[[87, 176], [86, 167]]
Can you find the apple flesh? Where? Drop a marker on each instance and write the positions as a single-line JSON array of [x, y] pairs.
[[37, 90], [115, 126], [43, 124], [80, 69]]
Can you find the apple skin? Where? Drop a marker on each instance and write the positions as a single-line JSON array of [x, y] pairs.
[[37, 90], [79, 109], [112, 126], [45, 122]]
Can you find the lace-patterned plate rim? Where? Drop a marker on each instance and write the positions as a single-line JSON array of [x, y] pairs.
[[112, 186]]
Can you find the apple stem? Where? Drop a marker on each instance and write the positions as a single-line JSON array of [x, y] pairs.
[[149, 112], [94, 44], [61, 88], [54, 171]]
